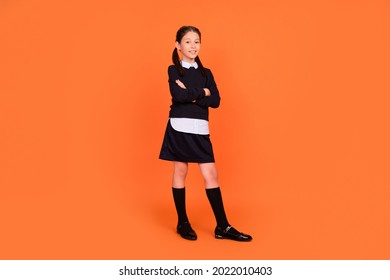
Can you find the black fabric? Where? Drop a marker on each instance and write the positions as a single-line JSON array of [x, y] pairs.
[[186, 147], [182, 105], [215, 197], [179, 196]]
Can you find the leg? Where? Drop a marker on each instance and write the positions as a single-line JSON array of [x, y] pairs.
[[223, 230], [210, 176], [180, 170]]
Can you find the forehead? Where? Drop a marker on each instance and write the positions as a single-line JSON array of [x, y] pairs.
[[191, 36]]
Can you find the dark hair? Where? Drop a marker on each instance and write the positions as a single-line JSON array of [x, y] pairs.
[[175, 56]]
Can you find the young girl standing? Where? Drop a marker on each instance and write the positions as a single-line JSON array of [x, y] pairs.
[[187, 138]]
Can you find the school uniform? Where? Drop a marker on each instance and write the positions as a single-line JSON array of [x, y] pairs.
[[187, 137]]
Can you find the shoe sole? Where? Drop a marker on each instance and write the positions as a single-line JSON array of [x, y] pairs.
[[239, 240]]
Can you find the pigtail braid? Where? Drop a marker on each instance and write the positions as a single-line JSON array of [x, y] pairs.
[[197, 59], [176, 61]]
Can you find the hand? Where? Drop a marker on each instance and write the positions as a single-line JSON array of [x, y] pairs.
[[207, 92], [180, 84]]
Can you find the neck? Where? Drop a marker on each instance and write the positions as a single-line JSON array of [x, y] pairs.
[[189, 60]]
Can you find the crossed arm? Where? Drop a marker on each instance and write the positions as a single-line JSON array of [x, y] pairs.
[[206, 90], [206, 97]]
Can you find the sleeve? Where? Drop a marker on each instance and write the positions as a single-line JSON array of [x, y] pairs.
[[179, 94], [214, 99]]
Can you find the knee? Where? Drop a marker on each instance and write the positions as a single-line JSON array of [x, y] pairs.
[[181, 171], [211, 178]]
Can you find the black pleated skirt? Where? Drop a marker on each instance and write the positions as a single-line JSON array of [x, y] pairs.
[[186, 147]]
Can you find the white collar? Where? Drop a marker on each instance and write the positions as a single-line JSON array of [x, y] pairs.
[[187, 65]]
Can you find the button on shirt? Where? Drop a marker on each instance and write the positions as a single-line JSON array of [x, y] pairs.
[[188, 125]]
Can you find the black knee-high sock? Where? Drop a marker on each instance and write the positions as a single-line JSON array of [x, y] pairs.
[[179, 196], [215, 198]]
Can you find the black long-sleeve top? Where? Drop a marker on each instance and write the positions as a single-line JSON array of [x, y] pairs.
[[182, 105]]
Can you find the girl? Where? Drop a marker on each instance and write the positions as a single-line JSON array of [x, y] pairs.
[[187, 138]]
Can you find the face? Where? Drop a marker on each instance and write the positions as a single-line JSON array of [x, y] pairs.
[[189, 46]]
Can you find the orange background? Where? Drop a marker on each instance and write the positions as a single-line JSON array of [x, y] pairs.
[[301, 138]]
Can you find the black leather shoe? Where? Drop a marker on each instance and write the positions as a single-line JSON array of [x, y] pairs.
[[231, 233], [186, 231]]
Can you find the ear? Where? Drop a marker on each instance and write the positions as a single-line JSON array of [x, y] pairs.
[[177, 45]]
